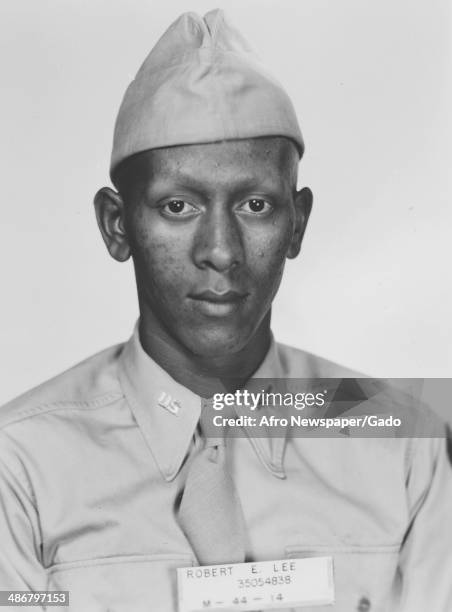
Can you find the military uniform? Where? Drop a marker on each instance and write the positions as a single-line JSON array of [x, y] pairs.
[[93, 462]]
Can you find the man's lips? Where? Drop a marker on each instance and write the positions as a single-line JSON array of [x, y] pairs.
[[224, 297], [218, 304]]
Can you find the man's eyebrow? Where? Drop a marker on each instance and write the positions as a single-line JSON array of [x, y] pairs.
[[236, 184]]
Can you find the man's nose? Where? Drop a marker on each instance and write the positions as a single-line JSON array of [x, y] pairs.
[[218, 241]]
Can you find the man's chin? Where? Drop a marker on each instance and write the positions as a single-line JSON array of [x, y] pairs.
[[218, 344]]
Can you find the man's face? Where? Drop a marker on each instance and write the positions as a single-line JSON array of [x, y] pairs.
[[209, 229]]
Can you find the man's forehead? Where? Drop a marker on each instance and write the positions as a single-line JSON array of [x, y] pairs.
[[267, 154], [268, 163]]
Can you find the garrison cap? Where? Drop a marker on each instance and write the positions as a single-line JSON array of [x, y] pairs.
[[201, 83]]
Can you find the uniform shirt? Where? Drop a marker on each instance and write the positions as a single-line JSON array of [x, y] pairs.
[[92, 463]]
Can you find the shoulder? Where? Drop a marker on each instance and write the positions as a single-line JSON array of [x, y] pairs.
[[90, 383], [298, 363], [422, 452]]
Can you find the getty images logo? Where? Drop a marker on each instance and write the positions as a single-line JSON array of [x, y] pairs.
[[253, 400]]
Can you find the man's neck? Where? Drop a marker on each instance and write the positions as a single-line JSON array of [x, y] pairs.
[[205, 375]]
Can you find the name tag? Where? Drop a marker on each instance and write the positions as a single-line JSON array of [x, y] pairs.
[[266, 585]]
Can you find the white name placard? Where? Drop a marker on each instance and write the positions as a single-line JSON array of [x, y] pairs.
[[264, 585]]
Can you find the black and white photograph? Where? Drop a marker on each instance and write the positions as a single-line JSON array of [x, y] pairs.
[[226, 340]]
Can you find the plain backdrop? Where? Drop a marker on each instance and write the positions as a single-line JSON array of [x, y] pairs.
[[372, 85]]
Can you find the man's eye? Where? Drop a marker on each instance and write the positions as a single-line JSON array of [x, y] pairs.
[[256, 206], [178, 208]]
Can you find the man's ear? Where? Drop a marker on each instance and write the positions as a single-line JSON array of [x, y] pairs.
[[303, 206], [110, 218]]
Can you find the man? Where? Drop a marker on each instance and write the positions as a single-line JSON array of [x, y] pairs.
[[108, 484]]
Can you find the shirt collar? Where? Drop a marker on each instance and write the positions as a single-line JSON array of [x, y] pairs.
[[270, 450], [167, 412]]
